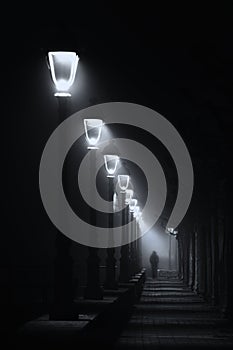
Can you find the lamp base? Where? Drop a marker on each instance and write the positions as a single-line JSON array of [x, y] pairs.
[[92, 147], [110, 175], [62, 94]]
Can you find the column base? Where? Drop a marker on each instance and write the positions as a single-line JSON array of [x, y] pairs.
[[111, 285], [94, 293], [63, 313]]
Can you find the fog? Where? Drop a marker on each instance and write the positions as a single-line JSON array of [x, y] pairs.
[[158, 240]]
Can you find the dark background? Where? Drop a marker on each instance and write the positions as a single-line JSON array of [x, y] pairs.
[[176, 60]]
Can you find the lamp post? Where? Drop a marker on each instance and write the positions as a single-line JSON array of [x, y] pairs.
[[93, 128], [138, 243], [123, 181], [169, 249], [171, 232], [132, 204], [63, 67], [128, 196], [111, 162], [176, 251]]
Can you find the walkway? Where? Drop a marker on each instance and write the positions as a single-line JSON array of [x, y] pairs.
[[170, 315]]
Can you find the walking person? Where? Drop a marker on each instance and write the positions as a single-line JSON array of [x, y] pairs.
[[154, 261]]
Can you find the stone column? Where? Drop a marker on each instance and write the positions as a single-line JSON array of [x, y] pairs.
[[196, 268], [208, 260], [190, 260], [223, 241], [214, 260], [180, 254]]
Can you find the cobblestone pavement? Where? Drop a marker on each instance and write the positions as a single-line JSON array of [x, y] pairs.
[[170, 315]]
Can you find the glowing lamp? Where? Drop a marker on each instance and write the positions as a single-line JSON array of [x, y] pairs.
[[111, 162], [170, 229], [128, 196], [132, 204], [63, 66], [136, 211], [123, 182], [93, 128]]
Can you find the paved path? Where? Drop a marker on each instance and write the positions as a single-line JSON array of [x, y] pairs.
[[169, 315]]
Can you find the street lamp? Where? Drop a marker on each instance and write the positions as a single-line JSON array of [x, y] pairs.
[[170, 229], [128, 196], [133, 231], [132, 204], [172, 232], [63, 66], [136, 212], [123, 182], [93, 128], [111, 162], [125, 198]]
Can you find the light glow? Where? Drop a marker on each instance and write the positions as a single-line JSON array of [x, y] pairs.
[[136, 212], [93, 128], [123, 182], [128, 196], [111, 162], [132, 204], [170, 229], [156, 240], [63, 66], [62, 94]]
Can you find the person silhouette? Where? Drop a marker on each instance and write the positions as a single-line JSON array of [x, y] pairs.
[[154, 261]]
